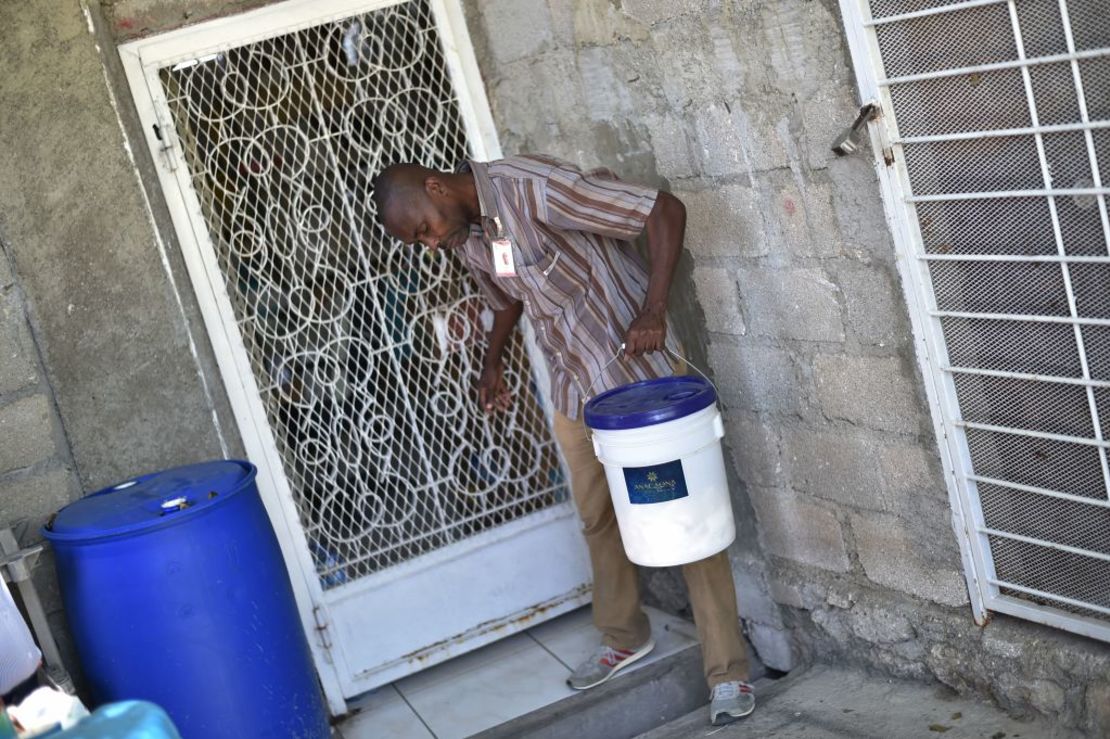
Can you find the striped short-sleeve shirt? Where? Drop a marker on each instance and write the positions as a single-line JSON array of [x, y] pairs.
[[578, 274]]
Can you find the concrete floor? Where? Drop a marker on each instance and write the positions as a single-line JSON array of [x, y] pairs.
[[831, 703]]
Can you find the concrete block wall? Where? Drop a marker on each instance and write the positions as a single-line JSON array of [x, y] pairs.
[[133, 377], [37, 474], [790, 294]]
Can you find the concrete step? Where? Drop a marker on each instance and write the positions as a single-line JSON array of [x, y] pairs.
[[625, 706], [649, 694], [828, 702]]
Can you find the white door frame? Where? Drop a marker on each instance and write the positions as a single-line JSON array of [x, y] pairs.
[[967, 513], [141, 61]]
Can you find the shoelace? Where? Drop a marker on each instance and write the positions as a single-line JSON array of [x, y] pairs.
[[731, 689], [609, 657]]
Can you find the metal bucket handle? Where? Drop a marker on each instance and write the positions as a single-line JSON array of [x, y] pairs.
[[586, 397]]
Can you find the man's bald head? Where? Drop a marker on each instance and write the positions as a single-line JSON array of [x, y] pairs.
[[417, 204], [398, 184]]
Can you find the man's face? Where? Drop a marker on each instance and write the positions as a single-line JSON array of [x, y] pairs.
[[430, 217]]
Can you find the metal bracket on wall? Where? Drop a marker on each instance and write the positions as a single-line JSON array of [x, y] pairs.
[[16, 566], [848, 140]]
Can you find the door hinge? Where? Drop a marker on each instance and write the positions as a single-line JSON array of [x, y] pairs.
[[323, 633]]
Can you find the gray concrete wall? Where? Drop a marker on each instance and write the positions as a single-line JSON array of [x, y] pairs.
[[98, 380], [115, 330], [789, 291], [37, 473]]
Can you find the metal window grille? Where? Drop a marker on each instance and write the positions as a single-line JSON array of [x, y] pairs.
[[365, 350], [999, 113]]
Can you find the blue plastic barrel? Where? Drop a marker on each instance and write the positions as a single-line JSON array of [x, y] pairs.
[[176, 593]]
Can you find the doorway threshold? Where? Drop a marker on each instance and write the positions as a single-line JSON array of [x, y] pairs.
[[497, 683]]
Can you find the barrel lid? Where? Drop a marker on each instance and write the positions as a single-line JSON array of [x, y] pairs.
[[649, 402], [151, 501]]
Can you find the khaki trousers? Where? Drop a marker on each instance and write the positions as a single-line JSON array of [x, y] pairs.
[[617, 611]]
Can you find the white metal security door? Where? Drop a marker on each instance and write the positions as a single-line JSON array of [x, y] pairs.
[[994, 149], [415, 526]]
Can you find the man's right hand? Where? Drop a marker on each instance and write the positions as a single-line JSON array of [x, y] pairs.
[[493, 393]]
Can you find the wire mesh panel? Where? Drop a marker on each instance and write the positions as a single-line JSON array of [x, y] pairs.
[[365, 350], [1001, 126]]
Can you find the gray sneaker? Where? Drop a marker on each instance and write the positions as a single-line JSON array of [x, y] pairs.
[[730, 701], [604, 663]]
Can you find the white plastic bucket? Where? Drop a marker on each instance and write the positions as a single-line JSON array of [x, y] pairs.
[[667, 478]]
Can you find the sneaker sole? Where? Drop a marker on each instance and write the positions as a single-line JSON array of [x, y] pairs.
[[725, 718], [620, 666]]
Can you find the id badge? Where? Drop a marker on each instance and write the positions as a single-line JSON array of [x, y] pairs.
[[503, 264]]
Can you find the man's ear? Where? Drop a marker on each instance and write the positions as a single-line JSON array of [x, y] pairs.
[[434, 186]]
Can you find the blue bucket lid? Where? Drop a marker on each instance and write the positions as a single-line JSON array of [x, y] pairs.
[[151, 501], [649, 402]]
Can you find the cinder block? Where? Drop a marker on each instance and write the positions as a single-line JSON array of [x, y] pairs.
[[35, 495], [6, 277], [754, 448], [791, 303], [562, 20], [1098, 709], [18, 366], [802, 214], [859, 206], [730, 70], [876, 309], [911, 473], [719, 296], [25, 427], [870, 391], [800, 55], [800, 530], [786, 43], [723, 138], [516, 28], [773, 645], [674, 155], [828, 110], [862, 470], [890, 558], [752, 597], [654, 11], [553, 81], [603, 23], [836, 465], [607, 96], [726, 221], [759, 378], [789, 593], [880, 626], [689, 72]]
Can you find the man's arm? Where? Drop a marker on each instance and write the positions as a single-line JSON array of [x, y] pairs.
[[492, 391], [666, 226]]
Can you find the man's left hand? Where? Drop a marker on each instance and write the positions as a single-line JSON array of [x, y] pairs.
[[647, 333]]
